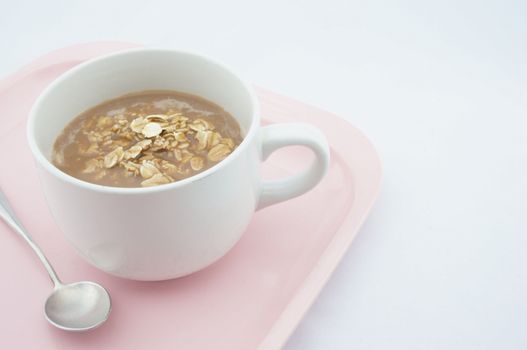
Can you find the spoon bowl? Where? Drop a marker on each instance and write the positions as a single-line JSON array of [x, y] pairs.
[[78, 306]]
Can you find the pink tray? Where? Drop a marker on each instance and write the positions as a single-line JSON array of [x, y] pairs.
[[251, 299]]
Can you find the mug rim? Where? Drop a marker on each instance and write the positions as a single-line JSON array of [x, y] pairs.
[[51, 168]]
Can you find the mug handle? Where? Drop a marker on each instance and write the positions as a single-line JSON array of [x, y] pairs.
[[288, 134]]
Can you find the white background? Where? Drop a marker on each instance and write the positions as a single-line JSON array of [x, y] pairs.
[[439, 87]]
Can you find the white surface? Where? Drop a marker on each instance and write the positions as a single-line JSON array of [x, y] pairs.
[[440, 88]]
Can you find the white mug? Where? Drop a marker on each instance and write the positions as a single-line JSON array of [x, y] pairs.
[[171, 230]]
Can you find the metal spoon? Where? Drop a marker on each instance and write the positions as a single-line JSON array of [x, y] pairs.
[[73, 307]]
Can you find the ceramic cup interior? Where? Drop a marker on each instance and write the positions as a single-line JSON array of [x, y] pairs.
[[114, 75]]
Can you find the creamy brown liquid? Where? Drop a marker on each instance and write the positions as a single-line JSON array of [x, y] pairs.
[[98, 145]]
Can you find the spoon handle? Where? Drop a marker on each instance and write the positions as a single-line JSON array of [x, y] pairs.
[[7, 213]]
